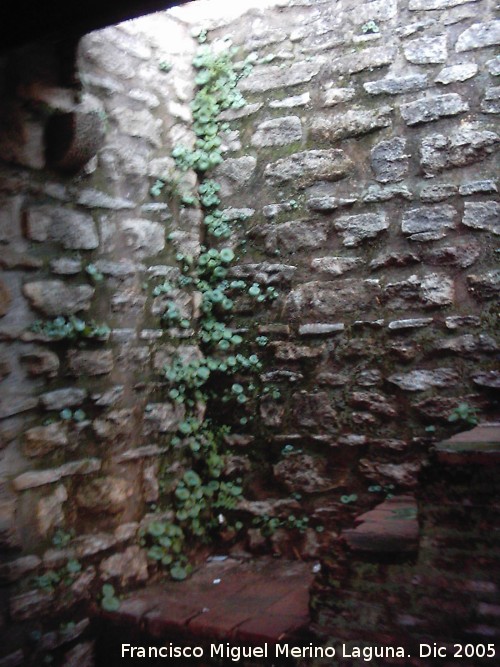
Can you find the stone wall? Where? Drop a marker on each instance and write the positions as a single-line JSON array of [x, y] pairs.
[[82, 422], [360, 178]]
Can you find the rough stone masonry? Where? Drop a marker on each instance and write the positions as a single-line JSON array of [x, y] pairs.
[[365, 164]]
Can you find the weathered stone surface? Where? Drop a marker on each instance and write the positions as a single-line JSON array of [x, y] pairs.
[[144, 237], [303, 474], [65, 266], [63, 398], [390, 528], [335, 96], [305, 168], [429, 109], [234, 173], [92, 198], [493, 66], [105, 494], [30, 480], [458, 321], [5, 298], [90, 362], [487, 185], [467, 344], [313, 410], [372, 58], [402, 474], [479, 36], [115, 425], [464, 253], [321, 329], [351, 123], [140, 124], [72, 229], [373, 402], [130, 565], [438, 192], [50, 512], [414, 323], [41, 362], [397, 85], [426, 50], [264, 78], [29, 605], [162, 417], [81, 655], [19, 568], [421, 380], [281, 507], [326, 203], [355, 229], [42, 440], [488, 379], [292, 352], [265, 273], [376, 193], [277, 132], [458, 149], [433, 220], [389, 160], [491, 101], [418, 5], [291, 102], [455, 73], [53, 297], [336, 266], [484, 286], [271, 412], [13, 404], [321, 300], [431, 291], [293, 236]]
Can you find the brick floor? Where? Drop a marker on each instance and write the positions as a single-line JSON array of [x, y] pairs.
[[264, 600]]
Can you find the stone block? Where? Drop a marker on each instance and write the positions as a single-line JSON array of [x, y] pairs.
[[336, 266], [63, 398], [430, 291], [90, 362], [491, 101], [430, 109], [429, 220], [455, 73], [355, 229], [108, 495], [366, 59], [301, 473], [352, 123], [72, 229], [54, 297], [426, 50], [482, 215], [271, 77], [41, 440], [308, 167], [234, 173], [30, 605], [31, 480], [130, 565], [50, 512], [421, 380], [389, 160], [141, 124], [397, 85], [319, 300], [143, 237], [484, 286], [459, 148], [277, 132], [479, 36], [424, 5]]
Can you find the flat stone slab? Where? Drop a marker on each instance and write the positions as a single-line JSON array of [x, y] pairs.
[[480, 445], [390, 528], [264, 600]]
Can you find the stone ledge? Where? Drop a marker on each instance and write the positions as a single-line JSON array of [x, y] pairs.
[[480, 445]]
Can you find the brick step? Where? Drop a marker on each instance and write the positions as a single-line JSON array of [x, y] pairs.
[[479, 446], [252, 602]]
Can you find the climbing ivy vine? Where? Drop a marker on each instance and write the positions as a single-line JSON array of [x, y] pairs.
[[204, 497]]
